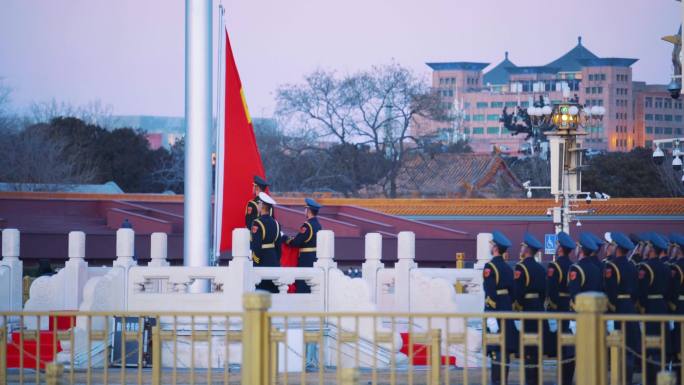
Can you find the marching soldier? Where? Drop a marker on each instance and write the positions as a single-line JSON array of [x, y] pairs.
[[498, 290], [609, 249], [677, 298], [620, 283], [584, 275], [305, 240], [252, 210], [653, 288], [530, 293], [558, 300], [265, 240]]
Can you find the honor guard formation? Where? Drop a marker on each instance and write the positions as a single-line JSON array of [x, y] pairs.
[[267, 239], [639, 274]]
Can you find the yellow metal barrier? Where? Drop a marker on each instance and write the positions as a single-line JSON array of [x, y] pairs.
[[272, 347]]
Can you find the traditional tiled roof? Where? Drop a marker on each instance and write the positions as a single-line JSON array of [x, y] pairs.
[[462, 65], [607, 62], [534, 70], [500, 73], [454, 174], [570, 61]]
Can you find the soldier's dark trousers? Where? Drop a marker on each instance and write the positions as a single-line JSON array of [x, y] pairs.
[[568, 354], [531, 365], [495, 368]]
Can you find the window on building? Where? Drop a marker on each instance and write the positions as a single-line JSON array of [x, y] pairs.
[[668, 103], [496, 104], [587, 90], [678, 104], [603, 76], [451, 93], [482, 104], [599, 90], [648, 102], [493, 117], [678, 131], [511, 104], [478, 118], [668, 118], [658, 118], [658, 130], [599, 102], [524, 104], [649, 130], [648, 117], [649, 144], [667, 130], [658, 102], [466, 131], [492, 130], [591, 77], [478, 130]]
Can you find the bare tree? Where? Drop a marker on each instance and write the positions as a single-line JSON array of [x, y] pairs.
[[371, 110], [93, 112], [34, 162]]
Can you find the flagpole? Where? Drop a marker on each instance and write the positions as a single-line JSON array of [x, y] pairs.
[[198, 121], [219, 148]]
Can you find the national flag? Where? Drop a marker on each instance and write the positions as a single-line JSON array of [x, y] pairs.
[[238, 159]]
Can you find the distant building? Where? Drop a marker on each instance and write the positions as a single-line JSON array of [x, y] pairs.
[[597, 81], [105, 188]]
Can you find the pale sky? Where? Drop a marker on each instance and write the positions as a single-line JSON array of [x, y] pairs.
[[129, 53]]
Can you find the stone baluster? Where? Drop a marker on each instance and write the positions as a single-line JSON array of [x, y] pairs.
[[241, 279], [125, 248], [483, 250], [10, 259], [325, 253], [406, 254], [372, 264], [158, 250], [75, 271]]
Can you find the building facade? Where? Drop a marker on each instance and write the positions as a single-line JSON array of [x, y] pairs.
[[477, 98]]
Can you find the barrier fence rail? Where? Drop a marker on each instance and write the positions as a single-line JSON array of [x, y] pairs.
[[258, 346]]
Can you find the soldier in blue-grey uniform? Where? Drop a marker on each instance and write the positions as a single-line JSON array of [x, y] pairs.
[[530, 294], [498, 291], [677, 298], [265, 240], [653, 289], [305, 240], [620, 284], [558, 300], [636, 256]]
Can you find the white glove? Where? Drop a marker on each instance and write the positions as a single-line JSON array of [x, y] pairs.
[[610, 326], [553, 326], [492, 325], [672, 325], [573, 327], [518, 324]]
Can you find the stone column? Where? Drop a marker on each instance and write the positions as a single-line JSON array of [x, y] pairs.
[[75, 271], [10, 259], [406, 254], [158, 250], [483, 252], [372, 263]]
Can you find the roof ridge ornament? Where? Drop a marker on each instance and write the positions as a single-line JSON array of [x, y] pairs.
[[579, 40]]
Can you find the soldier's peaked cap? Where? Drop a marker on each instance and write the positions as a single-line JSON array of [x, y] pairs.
[[658, 241], [266, 198], [622, 240], [587, 242], [261, 182], [532, 242], [311, 203], [500, 239], [565, 240]]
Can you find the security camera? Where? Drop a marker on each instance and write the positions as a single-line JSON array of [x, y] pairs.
[[527, 184], [597, 195], [606, 196], [682, 179], [677, 163], [579, 224], [529, 193], [658, 156], [588, 199], [674, 88]]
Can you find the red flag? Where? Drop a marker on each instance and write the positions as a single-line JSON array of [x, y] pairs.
[[238, 157]]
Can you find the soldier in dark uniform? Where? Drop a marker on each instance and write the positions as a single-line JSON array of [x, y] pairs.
[[584, 275], [620, 284], [252, 209], [305, 240], [609, 249], [601, 248], [653, 289], [265, 240], [498, 291], [530, 294], [677, 299], [558, 300]]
